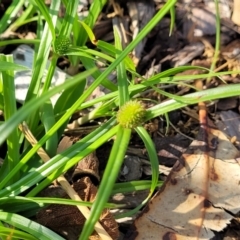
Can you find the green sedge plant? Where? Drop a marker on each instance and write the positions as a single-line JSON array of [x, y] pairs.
[[23, 175]]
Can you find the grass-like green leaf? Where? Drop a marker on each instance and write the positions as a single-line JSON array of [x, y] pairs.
[[172, 14], [86, 52], [27, 109], [10, 233], [112, 51], [44, 200], [48, 120], [110, 175], [94, 11], [31, 227], [41, 58], [66, 100], [89, 32], [10, 108], [133, 186], [192, 98], [44, 11], [20, 41], [97, 138], [121, 71], [10, 14], [60, 163], [26, 16], [150, 147], [90, 63], [10, 66]]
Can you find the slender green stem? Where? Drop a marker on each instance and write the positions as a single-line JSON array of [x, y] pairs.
[[10, 14], [48, 120], [50, 73], [22, 19], [152, 155], [19, 116], [29, 226], [121, 71], [110, 175], [10, 108], [172, 24], [19, 41], [74, 160], [41, 60], [54, 164]]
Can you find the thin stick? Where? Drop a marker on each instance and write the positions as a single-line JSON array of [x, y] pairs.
[[64, 183]]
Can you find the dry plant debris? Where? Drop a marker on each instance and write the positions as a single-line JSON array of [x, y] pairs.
[[236, 12], [200, 194], [69, 220], [205, 180]]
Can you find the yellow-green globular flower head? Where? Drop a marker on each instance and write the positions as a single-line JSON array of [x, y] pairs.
[[61, 45], [131, 115]]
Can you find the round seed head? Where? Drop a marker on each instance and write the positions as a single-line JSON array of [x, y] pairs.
[[131, 115], [62, 45]]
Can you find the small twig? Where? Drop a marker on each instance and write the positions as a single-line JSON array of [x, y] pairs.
[[181, 133], [118, 11], [64, 183]]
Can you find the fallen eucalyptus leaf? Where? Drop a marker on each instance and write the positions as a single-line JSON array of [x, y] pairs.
[[202, 185]]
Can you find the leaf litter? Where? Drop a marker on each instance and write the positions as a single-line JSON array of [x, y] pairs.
[[201, 193]]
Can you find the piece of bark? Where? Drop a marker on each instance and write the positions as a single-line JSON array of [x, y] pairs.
[[187, 54], [230, 124], [227, 103]]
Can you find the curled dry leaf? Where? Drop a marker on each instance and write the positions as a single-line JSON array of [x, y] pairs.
[[202, 185]]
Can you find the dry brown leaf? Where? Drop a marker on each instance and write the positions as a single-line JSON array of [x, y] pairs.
[[192, 202], [65, 143], [236, 12]]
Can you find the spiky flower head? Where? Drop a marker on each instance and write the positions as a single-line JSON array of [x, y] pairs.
[[61, 45], [131, 114]]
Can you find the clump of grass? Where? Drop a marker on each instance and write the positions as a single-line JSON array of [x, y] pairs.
[[22, 174]]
